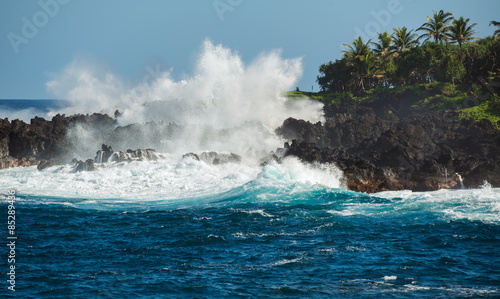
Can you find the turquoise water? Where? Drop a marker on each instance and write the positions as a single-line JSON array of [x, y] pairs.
[[261, 232]]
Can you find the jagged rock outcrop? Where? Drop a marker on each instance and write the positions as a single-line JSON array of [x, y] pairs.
[[107, 155], [5, 127], [49, 163], [191, 156], [88, 165], [43, 139], [219, 158], [410, 149], [103, 154]]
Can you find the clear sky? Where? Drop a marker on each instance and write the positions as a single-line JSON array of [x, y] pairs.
[[131, 37]]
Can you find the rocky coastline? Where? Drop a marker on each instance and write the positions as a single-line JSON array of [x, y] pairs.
[[388, 144], [28, 144], [380, 145]]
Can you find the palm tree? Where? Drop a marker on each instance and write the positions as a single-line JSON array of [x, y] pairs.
[[403, 39], [383, 47], [460, 32], [497, 32], [358, 55], [436, 27], [360, 49], [369, 69]]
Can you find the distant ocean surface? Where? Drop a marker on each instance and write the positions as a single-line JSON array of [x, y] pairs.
[[27, 109], [181, 228]]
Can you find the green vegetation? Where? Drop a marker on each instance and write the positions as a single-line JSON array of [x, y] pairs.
[[436, 96], [450, 69], [436, 27], [486, 110], [326, 98], [496, 24], [461, 32]]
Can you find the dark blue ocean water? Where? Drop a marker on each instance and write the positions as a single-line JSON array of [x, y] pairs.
[[337, 244], [27, 109]]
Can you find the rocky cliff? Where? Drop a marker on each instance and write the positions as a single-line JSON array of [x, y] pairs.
[[23, 144], [388, 145]]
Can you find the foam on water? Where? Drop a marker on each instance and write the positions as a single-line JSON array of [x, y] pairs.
[[178, 183], [170, 180]]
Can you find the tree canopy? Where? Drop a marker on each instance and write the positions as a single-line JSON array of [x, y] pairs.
[[496, 24], [449, 52], [436, 27], [461, 32]]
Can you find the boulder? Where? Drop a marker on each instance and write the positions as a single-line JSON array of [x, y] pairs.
[[191, 156], [88, 165], [103, 155], [219, 158], [49, 163]]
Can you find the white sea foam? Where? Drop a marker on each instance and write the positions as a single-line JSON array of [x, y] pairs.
[[175, 182], [172, 181], [167, 180], [390, 277], [260, 212], [291, 170], [286, 261]]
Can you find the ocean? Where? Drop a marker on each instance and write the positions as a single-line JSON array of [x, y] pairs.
[[27, 109], [182, 228]]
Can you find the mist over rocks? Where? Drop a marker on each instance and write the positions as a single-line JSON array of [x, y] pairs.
[[53, 142], [410, 149], [103, 157], [219, 158], [132, 155], [417, 151], [88, 165], [225, 104], [43, 139]]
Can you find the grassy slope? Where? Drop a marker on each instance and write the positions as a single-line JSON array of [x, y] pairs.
[[436, 96]]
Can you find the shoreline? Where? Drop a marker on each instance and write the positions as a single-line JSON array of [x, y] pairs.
[[381, 144], [390, 143]]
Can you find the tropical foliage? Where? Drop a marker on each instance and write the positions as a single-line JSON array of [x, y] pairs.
[[436, 27], [449, 53], [496, 24], [403, 40], [461, 32]]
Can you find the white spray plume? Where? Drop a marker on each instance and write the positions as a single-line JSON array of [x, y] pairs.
[[223, 93]]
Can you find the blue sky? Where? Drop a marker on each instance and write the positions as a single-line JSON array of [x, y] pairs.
[[126, 37]]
